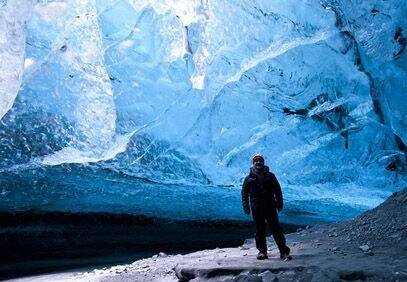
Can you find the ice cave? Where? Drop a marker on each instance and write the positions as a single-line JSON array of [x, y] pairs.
[[155, 107]]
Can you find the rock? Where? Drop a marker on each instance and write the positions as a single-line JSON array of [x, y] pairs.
[[352, 275], [334, 249], [178, 272], [247, 278], [162, 254], [268, 276], [289, 273], [364, 248]]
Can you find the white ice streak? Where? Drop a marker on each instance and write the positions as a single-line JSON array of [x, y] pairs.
[[355, 194], [262, 131], [73, 155], [276, 49], [327, 106]]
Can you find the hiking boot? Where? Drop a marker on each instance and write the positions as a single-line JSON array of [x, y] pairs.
[[286, 255], [261, 256]]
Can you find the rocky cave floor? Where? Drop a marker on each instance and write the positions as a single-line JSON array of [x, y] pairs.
[[372, 247]]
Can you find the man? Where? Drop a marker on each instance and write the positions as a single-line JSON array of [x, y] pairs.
[[264, 191]]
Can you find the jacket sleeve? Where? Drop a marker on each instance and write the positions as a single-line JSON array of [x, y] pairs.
[[277, 193], [245, 197]]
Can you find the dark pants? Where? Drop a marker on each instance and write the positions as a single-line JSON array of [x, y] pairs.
[[260, 218]]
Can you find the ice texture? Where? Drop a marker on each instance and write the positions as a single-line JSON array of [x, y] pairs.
[[379, 29], [13, 14], [185, 92]]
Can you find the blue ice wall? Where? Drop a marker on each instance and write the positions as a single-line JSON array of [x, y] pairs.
[[185, 92]]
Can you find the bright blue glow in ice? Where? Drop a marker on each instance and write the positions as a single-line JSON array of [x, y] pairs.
[[185, 92]]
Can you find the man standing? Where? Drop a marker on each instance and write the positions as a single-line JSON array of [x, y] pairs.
[[264, 191]]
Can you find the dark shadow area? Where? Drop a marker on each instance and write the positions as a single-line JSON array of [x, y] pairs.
[[34, 242]]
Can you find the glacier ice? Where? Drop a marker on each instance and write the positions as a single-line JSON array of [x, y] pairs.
[[82, 53], [185, 92], [13, 15]]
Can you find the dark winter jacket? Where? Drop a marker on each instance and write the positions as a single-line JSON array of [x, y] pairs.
[[263, 190]]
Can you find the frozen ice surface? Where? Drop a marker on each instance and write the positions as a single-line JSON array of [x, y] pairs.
[[185, 92]]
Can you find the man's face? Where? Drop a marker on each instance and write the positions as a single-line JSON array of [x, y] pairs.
[[258, 163]]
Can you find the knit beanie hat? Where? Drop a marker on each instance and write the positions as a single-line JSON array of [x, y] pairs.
[[257, 157]]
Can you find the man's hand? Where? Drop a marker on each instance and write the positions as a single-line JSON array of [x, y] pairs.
[[247, 211]]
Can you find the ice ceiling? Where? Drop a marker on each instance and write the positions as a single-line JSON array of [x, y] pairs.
[[187, 91]]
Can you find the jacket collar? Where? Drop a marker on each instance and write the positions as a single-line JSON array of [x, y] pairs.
[[253, 174]]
